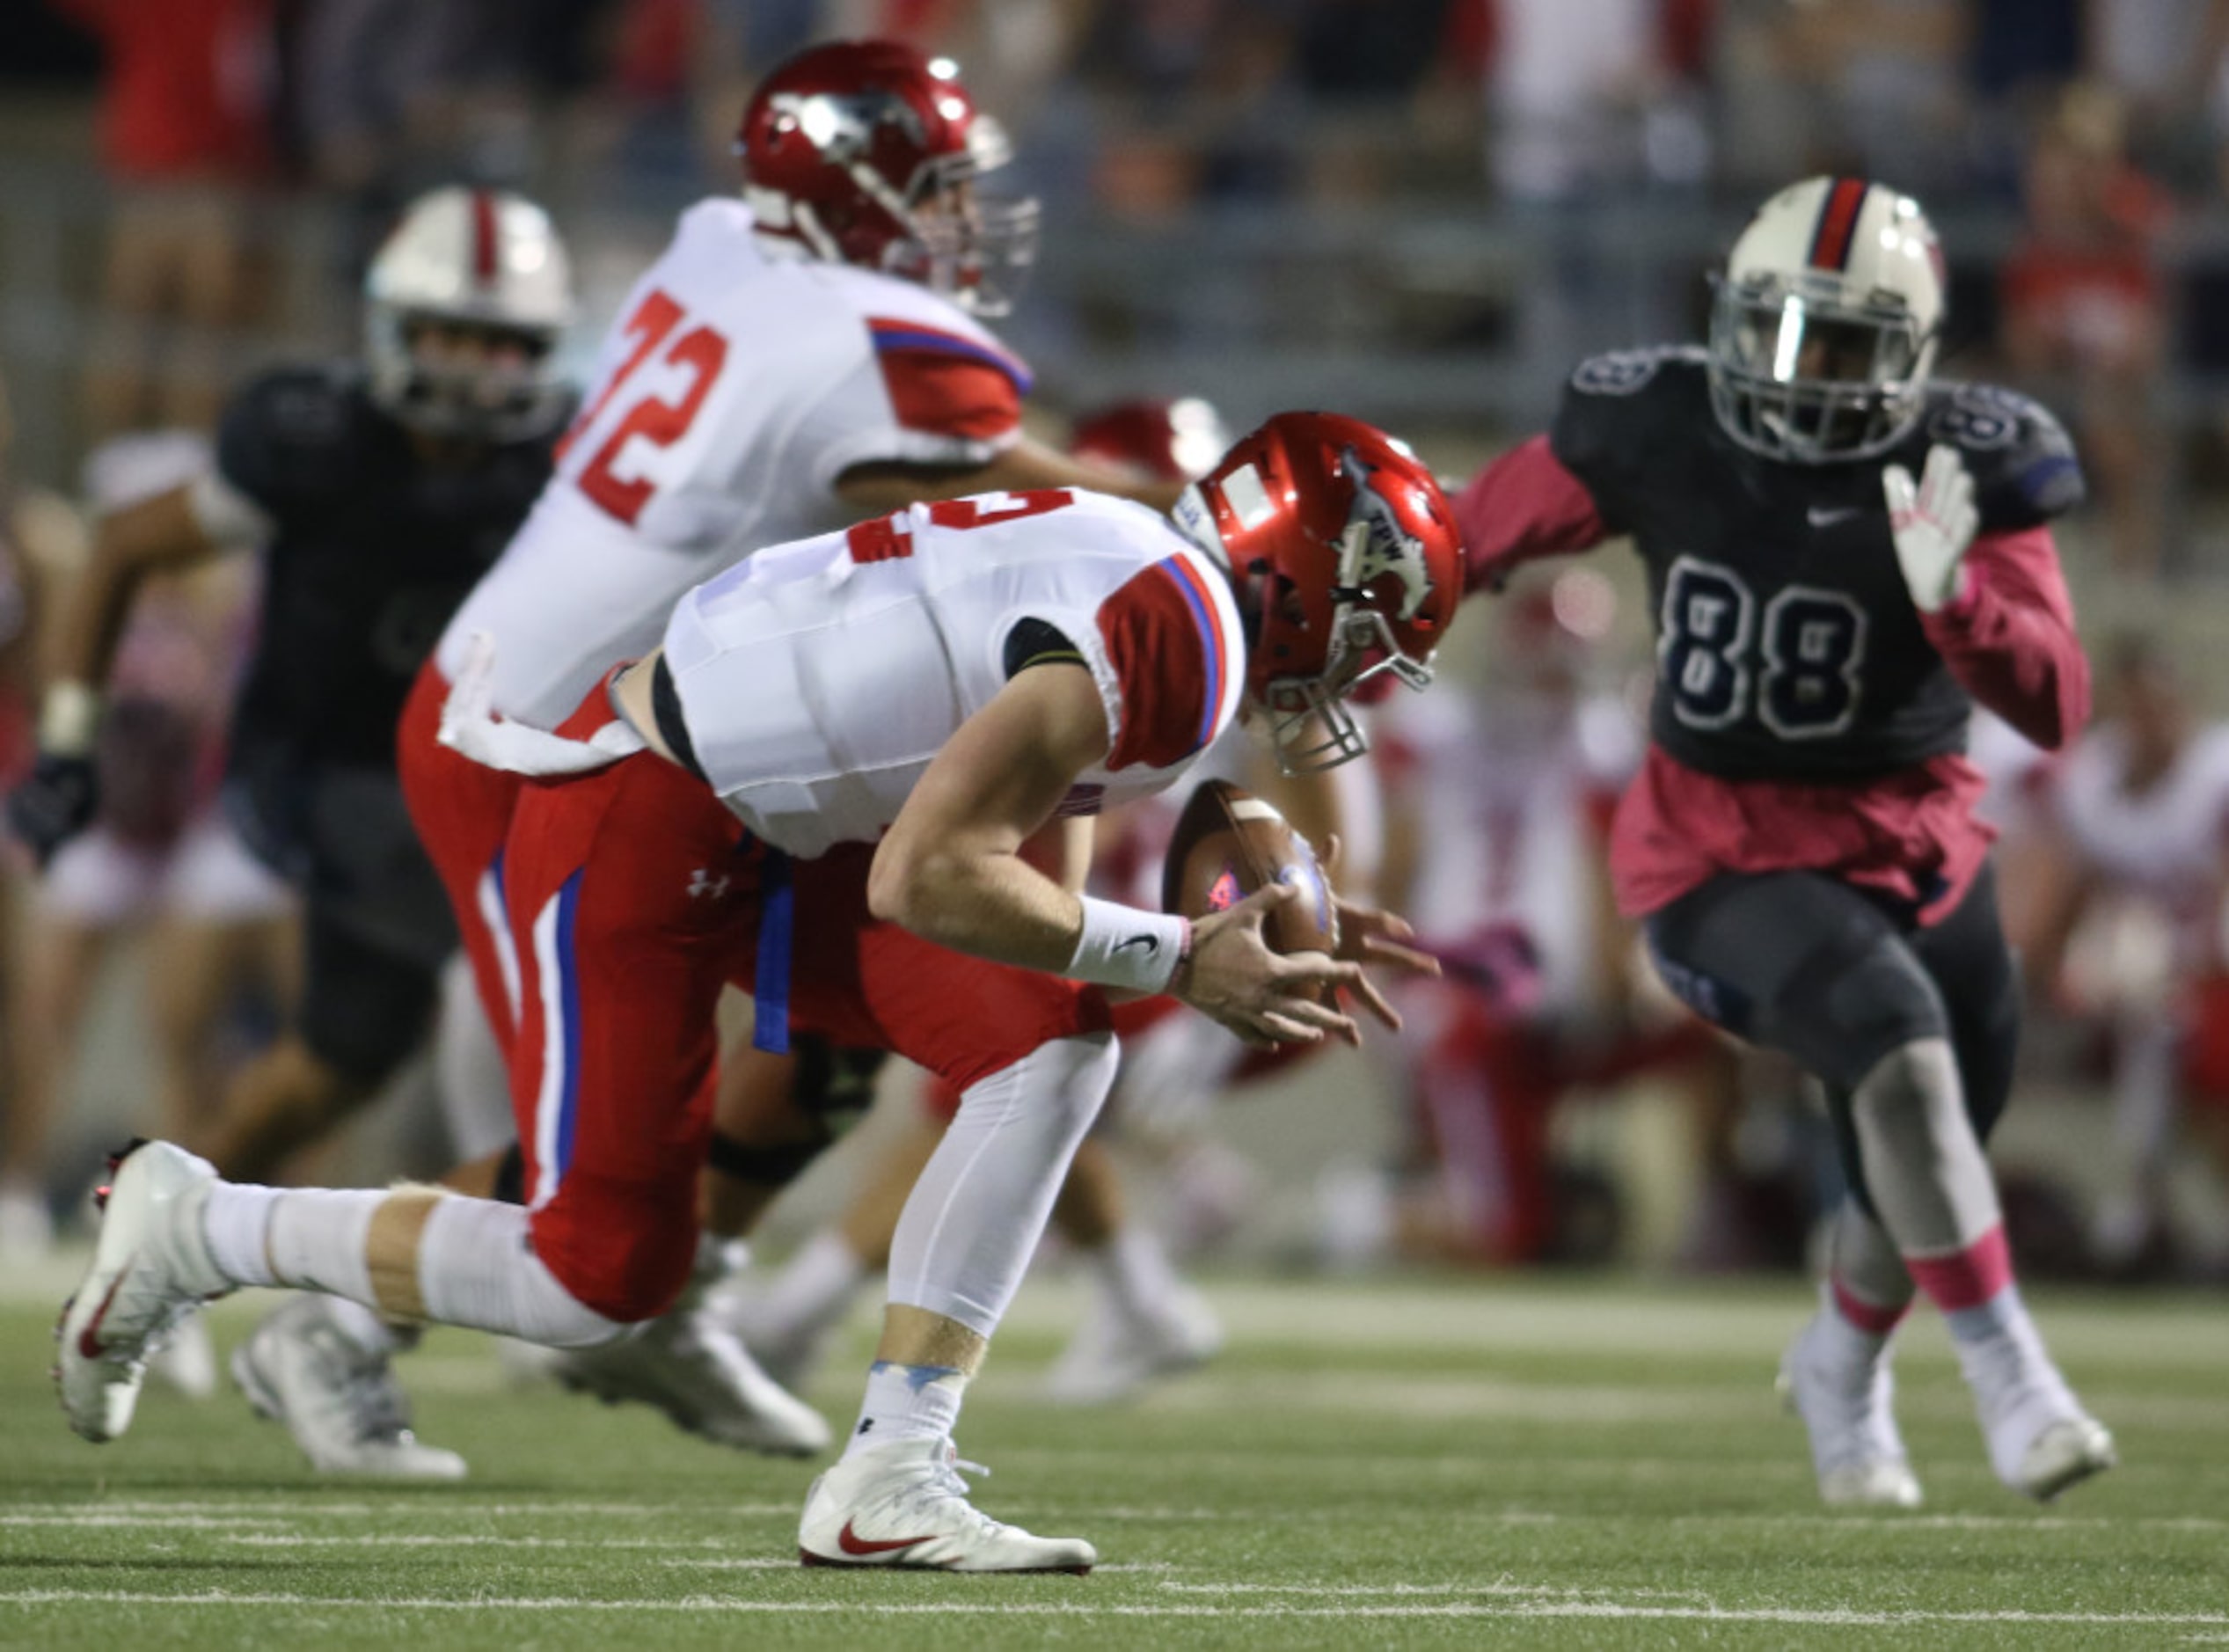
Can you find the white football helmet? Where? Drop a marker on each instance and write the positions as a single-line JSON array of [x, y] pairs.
[[481, 259], [1824, 325]]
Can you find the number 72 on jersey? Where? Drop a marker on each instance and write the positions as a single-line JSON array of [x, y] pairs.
[[697, 355]]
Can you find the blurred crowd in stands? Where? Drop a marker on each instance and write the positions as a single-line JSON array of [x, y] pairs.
[[2077, 152]]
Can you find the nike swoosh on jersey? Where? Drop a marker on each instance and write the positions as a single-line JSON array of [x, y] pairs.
[[851, 1543], [1828, 517]]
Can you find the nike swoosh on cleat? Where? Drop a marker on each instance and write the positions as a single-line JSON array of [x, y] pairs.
[[88, 1339], [851, 1543]]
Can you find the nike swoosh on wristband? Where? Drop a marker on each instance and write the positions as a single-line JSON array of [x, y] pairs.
[[851, 1543], [1151, 943], [89, 1342]]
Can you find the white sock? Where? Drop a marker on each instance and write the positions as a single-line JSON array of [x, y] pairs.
[[1133, 1270], [235, 1220], [477, 1267], [1922, 1162], [814, 1290], [907, 1403], [475, 1264], [976, 1213], [365, 1330]]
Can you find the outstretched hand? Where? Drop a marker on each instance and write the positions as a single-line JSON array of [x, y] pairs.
[[1264, 997], [1933, 523], [1368, 935]]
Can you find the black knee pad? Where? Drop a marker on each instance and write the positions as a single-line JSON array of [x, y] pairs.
[[835, 1083], [774, 1167], [364, 1010], [510, 1177]]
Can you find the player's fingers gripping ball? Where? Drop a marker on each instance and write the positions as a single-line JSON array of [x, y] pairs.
[[1933, 522], [1229, 845]]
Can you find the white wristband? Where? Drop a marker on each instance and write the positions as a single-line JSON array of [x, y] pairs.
[[69, 717], [1129, 946]]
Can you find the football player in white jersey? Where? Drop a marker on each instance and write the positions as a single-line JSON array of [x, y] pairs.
[[830, 781], [796, 360], [2138, 814]]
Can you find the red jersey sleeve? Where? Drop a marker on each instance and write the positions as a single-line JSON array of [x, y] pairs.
[[1169, 646], [2009, 637], [947, 384], [1523, 505]]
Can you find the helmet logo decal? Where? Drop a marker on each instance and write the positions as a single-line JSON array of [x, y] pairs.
[[842, 124], [1375, 545], [1249, 500]]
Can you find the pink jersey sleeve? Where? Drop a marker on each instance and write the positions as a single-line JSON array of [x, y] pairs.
[[1523, 506], [944, 384], [2009, 637], [1167, 645]]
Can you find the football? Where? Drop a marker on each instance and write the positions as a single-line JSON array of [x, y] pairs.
[[1228, 843]]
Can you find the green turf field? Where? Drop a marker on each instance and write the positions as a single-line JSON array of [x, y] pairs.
[[1407, 1464]]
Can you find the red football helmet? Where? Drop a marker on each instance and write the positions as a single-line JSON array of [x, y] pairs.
[[856, 153], [1346, 562], [1160, 441]]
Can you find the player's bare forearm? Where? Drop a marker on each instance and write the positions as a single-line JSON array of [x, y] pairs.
[[157, 535], [2009, 638], [951, 867]]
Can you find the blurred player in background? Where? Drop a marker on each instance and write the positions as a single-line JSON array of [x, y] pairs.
[[977, 675], [379, 491], [1800, 843], [2141, 811], [794, 360], [1502, 801], [159, 857]]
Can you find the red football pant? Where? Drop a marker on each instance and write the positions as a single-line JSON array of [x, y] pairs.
[[462, 813], [633, 897]]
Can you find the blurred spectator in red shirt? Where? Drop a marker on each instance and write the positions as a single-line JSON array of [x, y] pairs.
[[182, 130], [2083, 311]]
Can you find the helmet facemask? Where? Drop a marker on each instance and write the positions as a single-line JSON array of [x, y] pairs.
[[1360, 645], [1800, 370], [486, 400], [939, 228], [975, 246]]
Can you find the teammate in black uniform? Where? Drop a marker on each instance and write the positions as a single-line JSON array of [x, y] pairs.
[[380, 491], [1802, 843]]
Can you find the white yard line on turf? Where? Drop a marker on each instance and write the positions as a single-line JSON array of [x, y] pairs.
[[712, 1605], [250, 1518]]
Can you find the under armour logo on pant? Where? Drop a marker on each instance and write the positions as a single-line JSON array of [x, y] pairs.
[[703, 881]]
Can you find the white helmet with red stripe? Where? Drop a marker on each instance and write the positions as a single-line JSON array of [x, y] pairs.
[[464, 304], [1824, 325]]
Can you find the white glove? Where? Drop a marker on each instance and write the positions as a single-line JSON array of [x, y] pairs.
[[471, 728], [1933, 525]]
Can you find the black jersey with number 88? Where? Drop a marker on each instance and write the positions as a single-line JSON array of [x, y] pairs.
[[1787, 645]]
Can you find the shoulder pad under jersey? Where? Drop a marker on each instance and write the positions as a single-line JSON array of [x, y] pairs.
[[2024, 465]]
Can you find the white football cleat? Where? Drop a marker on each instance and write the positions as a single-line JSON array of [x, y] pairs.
[[904, 1505], [1113, 1353], [789, 1351], [186, 1360], [341, 1403], [151, 1267], [699, 1374], [2066, 1453], [1848, 1411]]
